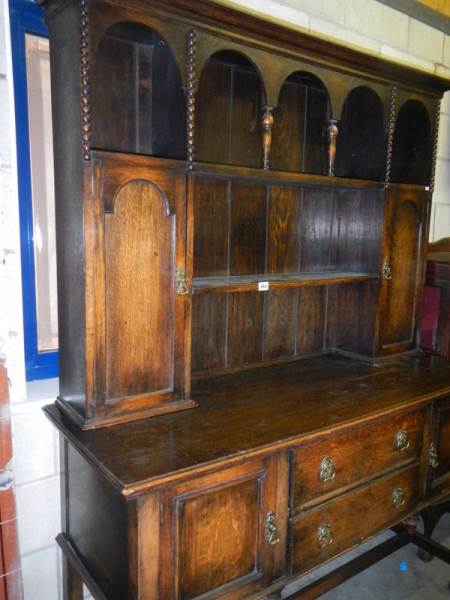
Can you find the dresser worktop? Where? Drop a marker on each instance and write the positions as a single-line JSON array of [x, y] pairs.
[[249, 412]]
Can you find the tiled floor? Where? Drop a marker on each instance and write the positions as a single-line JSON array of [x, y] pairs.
[[37, 479], [36, 472], [401, 576]]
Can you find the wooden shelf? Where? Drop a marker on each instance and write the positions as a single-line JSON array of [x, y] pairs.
[[249, 283], [267, 175]]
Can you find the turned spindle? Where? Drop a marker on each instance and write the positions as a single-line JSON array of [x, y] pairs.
[[267, 125], [332, 134]]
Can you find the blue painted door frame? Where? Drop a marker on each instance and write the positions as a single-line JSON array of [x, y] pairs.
[[27, 17]]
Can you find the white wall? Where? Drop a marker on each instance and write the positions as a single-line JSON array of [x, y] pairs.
[[11, 326], [366, 25], [440, 215]]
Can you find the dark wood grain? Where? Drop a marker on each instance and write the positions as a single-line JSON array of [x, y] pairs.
[[229, 102], [209, 331], [351, 316], [360, 216], [230, 507], [227, 519], [357, 455], [288, 147], [93, 505], [213, 116], [211, 227], [202, 285], [440, 475], [139, 286], [318, 236], [411, 152], [300, 123], [246, 112], [406, 229], [147, 104], [159, 263], [284, 224], [438, 275], [254, 410], [312, 319], [280, 323], [248, 229], [72, 582], [244, 336], [352, 517], [361, 143]]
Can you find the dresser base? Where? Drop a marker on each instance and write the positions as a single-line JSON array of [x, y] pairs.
[[75, 573]]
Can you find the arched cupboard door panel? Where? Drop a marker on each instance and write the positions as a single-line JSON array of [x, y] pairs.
[[136, 305], [139, 285], [402, 267]]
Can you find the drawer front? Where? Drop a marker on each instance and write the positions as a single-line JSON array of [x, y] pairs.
[[326, 466], [343, 522]]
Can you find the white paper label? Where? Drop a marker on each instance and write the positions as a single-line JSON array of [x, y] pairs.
[[263, 286]]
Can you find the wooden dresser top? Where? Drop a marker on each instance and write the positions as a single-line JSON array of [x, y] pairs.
[[252, 412]]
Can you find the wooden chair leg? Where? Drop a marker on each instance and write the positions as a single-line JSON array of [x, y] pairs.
[[72, 582]]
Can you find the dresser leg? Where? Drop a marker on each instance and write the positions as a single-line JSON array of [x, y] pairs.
[[430, 517], [72, 582]]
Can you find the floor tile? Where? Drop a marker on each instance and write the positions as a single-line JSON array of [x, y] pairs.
[[40, 579], [35, 446], [38, 512]]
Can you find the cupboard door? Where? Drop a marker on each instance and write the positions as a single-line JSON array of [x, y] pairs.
[[402, 266], [136, 317], [439, 458], [227, 532]]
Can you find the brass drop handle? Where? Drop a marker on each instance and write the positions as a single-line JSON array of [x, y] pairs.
[[398, 498], [327, 470], [433, 459], [401, 440], [324, 535], [272, 536], [387, 271]]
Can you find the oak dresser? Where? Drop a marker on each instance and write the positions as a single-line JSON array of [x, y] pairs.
[[242, 215]]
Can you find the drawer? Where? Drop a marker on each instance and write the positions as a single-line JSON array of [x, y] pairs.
[[339, 524], [326, 466]]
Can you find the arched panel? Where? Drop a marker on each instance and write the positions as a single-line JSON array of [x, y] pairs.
[[229, 105], [412, 145], [404, 262], [130, 113], [362, 139], [299, 140], [212, 47], [139, 280]]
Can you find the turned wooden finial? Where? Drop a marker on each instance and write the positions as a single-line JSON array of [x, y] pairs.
[[332, 134], [267, 125]]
